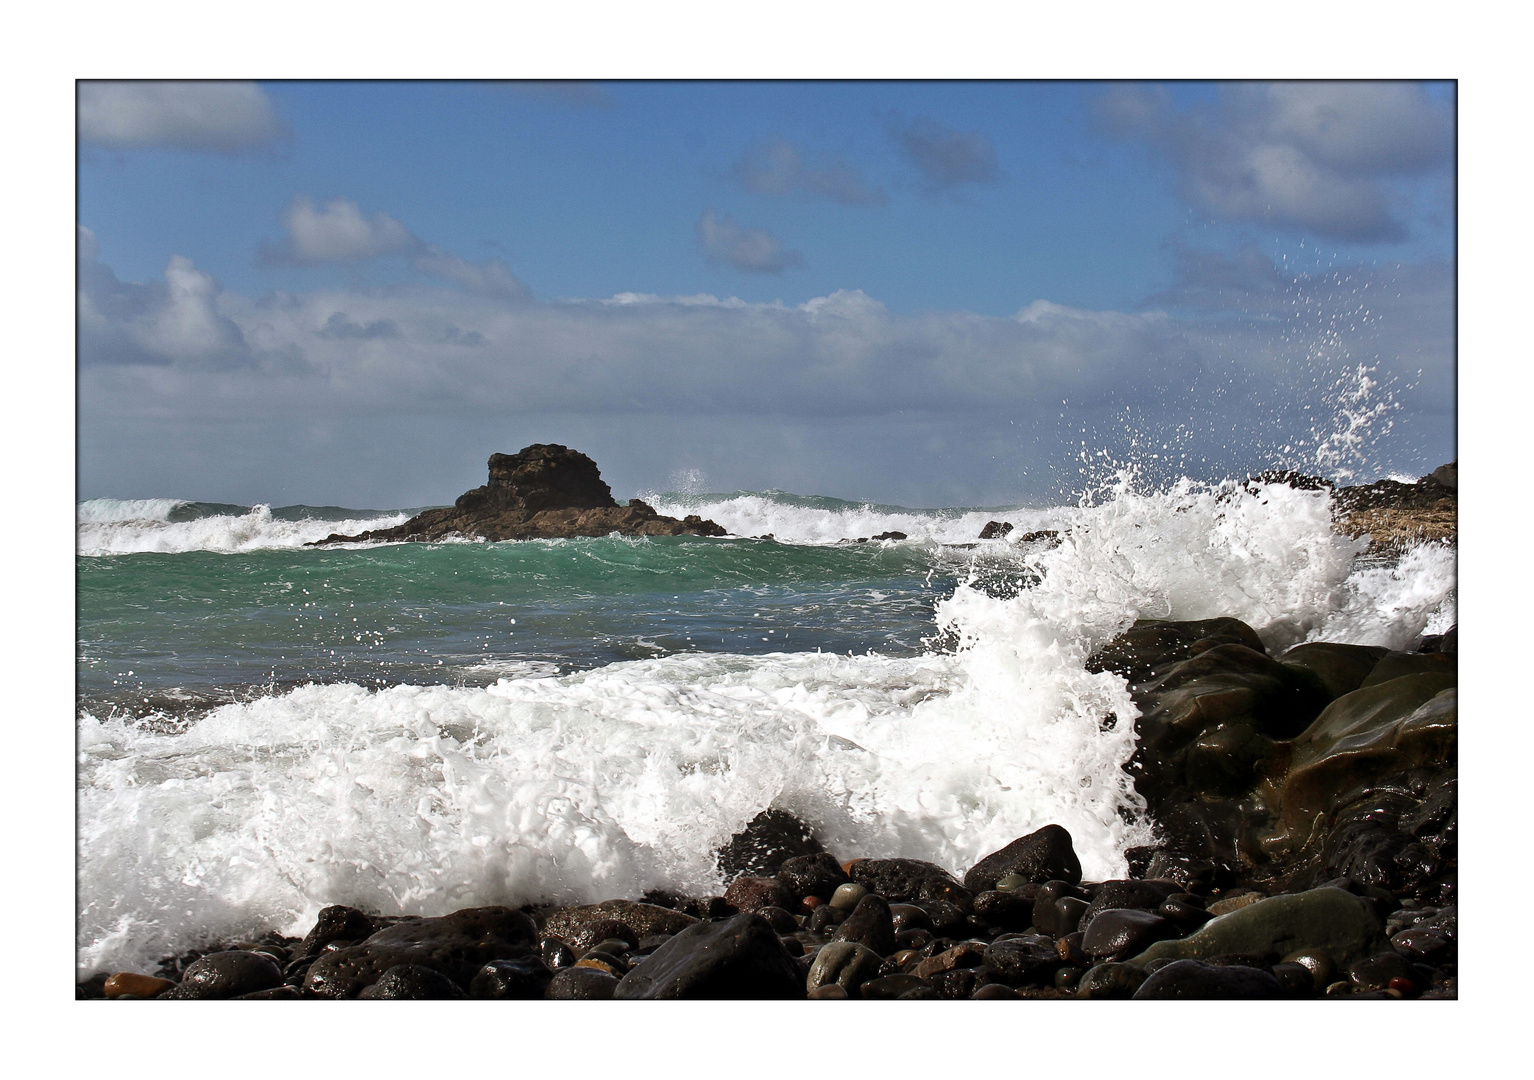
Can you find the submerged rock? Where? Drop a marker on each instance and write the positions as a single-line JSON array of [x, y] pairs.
[[545, 491]]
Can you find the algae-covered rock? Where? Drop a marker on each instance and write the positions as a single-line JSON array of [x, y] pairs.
[[1345, 926]]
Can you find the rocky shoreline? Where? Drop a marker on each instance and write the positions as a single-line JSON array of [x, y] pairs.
[[1306, 813]]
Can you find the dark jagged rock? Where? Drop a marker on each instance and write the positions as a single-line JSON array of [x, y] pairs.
[[755, 893], [995, 530], [767, 842], [1043, 855], [546, 491], [1023, 959], [889, 536], [1396, 516], [911, 880], [740, 957], [456, 945], [336, 923], [813, 875]]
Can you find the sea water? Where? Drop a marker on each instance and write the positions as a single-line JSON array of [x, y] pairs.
[[265, 729]]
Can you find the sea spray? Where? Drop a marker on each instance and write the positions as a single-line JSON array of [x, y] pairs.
[[175, 526]]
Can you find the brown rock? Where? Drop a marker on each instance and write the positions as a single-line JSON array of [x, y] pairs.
[[582, 927], [545, 491], [130, 982]]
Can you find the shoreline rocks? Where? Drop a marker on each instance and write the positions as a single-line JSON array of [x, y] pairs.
[[544, 492]]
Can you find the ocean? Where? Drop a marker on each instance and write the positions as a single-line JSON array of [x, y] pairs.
[[265, 729]]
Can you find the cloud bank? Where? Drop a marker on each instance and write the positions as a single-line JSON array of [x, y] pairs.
[[222, 116], [838, 393]]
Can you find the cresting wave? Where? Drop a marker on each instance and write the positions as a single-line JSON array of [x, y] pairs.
[[626, 777], [173, 526], [797, 519]]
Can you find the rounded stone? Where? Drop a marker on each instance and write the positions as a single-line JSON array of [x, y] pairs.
[[412, 982], [829, 992], [1195, 979], [581, 984], [506, 980], [1110, 981], [846, 897], [556, 954], [1322, 968], [993, 992], [229, 974]]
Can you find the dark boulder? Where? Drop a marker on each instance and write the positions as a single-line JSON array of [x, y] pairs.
[[1341, 668], [582, 927], [1023, 959], [740, 957], [767, 842], [1043, 855], [995, 530], [910, 880], [871, 925], [581, 984], [812, 875], [1120, 933], [456, 945], [412, 982], [1152, 646], [504, 980], [228, 974], [755, 893]]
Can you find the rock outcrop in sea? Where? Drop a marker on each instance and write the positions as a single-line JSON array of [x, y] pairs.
[[544, 492]]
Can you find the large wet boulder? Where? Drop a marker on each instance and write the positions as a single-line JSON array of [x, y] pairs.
[[545, 491], [740, 957], [1341, 668], [1184, 979], [1043, 855], [456, 945], [582, 927], [767, 842], [1152, 646], [227, 974]]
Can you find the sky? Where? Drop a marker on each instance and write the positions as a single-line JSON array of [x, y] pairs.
[[925, 293]]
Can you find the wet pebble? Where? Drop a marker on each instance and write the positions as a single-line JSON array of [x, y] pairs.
[[519, 979], [412, 982], [846, 897], [228, 974], [581, 984], [129, 982]]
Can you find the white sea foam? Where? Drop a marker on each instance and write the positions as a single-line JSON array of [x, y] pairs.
[[607, 782], [126, 526], [792, 521]]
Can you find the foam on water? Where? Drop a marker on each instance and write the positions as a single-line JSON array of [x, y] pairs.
[[611, 781], [798, 520], [127, 526]]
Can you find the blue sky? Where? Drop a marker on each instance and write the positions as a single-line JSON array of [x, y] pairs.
[[919, 292]]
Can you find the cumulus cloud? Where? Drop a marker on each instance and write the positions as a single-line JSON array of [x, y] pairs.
[[176, 321], [751, 251], [224, 116], [778, 169], [338, 231], [945, 157], [1317, 157]]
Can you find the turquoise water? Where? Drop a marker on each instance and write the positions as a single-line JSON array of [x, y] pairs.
[[167, 632]]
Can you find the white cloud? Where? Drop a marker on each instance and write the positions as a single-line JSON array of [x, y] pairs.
[[751, 251], [223, 116], [778, 169], [1311, 156], [339, 232]]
